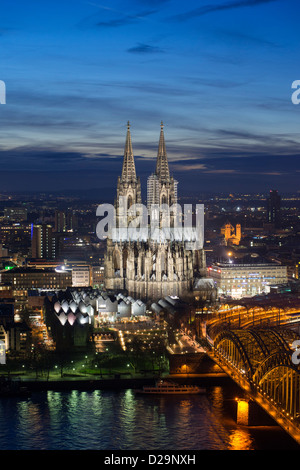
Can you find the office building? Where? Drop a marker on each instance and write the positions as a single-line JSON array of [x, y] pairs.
[[273, 208], [246, 280], [43, 242], [97, 274], [16, 237], [24, 279], [81, 276], [65, 221]]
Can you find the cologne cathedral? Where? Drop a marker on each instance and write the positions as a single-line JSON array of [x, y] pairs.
[[150, 269]]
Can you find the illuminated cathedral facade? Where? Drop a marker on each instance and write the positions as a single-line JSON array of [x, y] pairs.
[[150, 269]]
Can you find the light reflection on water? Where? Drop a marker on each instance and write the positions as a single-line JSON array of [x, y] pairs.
[[104, 420], [239, 438]]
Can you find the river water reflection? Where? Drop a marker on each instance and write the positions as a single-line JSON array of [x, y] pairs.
[[121, 420]]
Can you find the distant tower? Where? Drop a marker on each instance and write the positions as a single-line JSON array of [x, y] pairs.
[[227, 231], [65, 221], [238, 233], [43, 243], [273, 208], [60, 221], [232, 236]]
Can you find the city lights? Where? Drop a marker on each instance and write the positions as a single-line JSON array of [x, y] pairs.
[[149, 228]]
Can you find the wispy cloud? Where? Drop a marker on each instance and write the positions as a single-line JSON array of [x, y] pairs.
[[219, 7], [243, 38], [125, 19], [222, 171], [145, 49], [216, 82], [190, 167]]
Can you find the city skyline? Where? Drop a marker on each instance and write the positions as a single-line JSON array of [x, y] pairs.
[[149, 227], [218, 74]]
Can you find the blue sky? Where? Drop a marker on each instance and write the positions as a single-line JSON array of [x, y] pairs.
[[218, 73]]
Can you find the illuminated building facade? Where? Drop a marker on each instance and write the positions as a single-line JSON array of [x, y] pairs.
[[69, 320], [232, 236], [81, 276], [33, 278], [71, 314], [43, 243], [246, 280], [97, 276], [15, 337], [149, 269]]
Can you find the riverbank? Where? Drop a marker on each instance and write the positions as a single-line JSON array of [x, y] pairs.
[[117, 383]]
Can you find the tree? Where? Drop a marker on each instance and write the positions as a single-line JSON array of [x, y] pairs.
[[158, 352], [135, 352]]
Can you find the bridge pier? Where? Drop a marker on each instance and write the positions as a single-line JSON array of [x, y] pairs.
[[242, 415], [250, 413]]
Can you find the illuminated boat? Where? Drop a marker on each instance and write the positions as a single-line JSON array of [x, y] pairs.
[[164, 387]]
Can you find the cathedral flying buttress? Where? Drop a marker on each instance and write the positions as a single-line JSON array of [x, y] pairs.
[[149, 269]]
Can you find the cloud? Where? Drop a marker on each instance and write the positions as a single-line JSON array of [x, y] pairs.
[[219, 7], [29, 158], [216, 83], [145, 49], [125, 19], [191, 167], [214, 168], [243, 38], [156, 2], [223, 172]]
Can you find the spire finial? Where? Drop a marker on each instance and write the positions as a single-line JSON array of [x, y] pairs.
[[128, 170], [162, 167]]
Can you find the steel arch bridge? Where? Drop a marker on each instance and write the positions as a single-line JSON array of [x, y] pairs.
[[261, 362], [278, 379]]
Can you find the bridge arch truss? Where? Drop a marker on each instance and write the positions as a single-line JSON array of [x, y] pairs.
[[278, 379], [264, 358]]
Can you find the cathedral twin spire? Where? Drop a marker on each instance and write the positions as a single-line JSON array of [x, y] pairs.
[[128, 170], [157, 264], [162, 167], [161, 187]]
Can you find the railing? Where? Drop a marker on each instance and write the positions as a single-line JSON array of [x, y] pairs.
[[275, 410]]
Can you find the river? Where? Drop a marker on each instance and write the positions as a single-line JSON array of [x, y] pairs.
[[122, 420]]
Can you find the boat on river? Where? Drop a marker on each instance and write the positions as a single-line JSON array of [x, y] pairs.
[[165, 387]]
